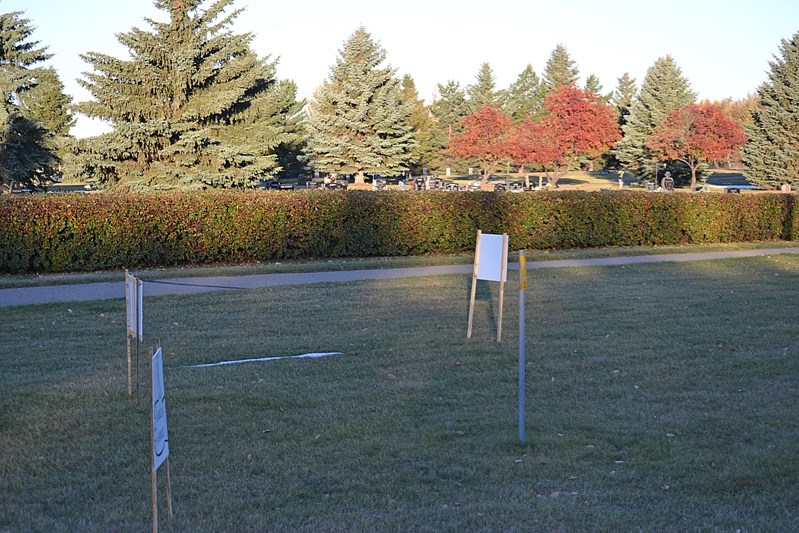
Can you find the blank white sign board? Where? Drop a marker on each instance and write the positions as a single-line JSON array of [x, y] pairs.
[[492, 263]]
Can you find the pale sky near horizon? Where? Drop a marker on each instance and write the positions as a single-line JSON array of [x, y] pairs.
[[723, 47]]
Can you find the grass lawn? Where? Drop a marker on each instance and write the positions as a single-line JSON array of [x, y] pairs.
[[599, 180], [660, 397]]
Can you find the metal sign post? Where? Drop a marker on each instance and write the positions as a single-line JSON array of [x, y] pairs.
[[522, 343]]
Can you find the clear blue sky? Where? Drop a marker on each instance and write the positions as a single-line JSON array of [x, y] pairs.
[[722, 46]]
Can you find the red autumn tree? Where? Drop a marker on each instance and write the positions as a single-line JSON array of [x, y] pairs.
[[579, 124], [483, 137], [696, 134], [532, 143]]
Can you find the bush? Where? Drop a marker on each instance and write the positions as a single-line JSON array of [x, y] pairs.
[[73, 232]]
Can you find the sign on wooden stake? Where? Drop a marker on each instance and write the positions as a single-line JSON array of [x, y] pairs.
[[159, 437], [490, 264]]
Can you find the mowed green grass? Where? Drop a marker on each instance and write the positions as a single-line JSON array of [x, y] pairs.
[[660, 397]]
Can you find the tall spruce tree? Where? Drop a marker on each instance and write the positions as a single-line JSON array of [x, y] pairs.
[[560, 69], [623, 96], [194, 107], [421, 122], [525, 97], [593, 84], [358, 122], [47, 103], [483, 91], [448, 111], [771, 152], [664, 88], [27, 147]]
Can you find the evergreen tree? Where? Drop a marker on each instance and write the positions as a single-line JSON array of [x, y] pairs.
[[448, 111], [664, 89], [421, 122], [281, 119], [771, 152], [525, 97], [592, 84], [358, 121], [27, 147], [47, 104], [560, 69], [623, 97], [194, 107], [483, 92]]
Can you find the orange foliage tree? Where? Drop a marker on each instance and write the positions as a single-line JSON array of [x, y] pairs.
[[531, 143], [483, 137], [696, 134], [577, 123]]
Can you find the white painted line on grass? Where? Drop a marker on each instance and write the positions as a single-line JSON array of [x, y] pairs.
[[275, 358]]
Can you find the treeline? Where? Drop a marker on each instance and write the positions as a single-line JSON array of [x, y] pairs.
[[194, 107]]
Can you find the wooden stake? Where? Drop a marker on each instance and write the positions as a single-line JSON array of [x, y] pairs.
[[154, 477], [129, 317], [168, 489], [474, 285], [502, 283], [130, 377]]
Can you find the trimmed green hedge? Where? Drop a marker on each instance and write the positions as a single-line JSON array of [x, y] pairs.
[[74, 232]]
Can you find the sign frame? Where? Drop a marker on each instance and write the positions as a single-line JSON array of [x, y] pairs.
[[490, 264]]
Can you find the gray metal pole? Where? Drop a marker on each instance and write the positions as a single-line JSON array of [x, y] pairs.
[[522, 347]]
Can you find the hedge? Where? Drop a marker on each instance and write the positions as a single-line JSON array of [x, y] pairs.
[[78, 232]]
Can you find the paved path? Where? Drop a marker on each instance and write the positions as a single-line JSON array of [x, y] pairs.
[[111, 290]]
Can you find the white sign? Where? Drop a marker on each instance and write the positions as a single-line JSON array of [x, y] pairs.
[[492, 262], [130, 301], [140, 309], [134, 298], [160, 436]]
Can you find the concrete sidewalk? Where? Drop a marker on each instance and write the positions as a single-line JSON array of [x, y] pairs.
[[111, 290]]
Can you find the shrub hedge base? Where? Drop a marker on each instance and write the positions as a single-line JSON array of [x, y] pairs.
[[75, 232]]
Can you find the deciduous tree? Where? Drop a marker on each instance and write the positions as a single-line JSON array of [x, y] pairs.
[[696, 134], [580, 125], [483, 137], [532, 142]]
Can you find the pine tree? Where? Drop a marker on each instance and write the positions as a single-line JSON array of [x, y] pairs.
[[771, 152], [194, 107], [27, 147], [592, 84], [623, 97], [448, 111], [664, 89], [358, 121], [483, 91], [421, 122], [47, 104], [525, 97], [560, 69]]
